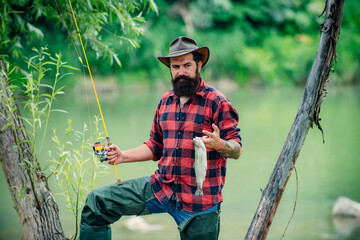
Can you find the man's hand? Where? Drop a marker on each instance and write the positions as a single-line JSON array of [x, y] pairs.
[[230, 148], [212, 140], [114, 154]]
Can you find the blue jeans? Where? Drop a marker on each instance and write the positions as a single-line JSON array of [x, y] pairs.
[[155, 206]]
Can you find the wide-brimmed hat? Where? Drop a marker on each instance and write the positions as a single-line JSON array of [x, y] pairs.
[[184, 45]]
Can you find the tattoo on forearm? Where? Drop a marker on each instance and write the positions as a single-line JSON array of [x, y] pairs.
[[231, 149]]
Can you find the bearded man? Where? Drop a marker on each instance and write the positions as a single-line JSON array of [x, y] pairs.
[[192, 109]]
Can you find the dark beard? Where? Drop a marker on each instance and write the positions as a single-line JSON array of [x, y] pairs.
[[187, 87]]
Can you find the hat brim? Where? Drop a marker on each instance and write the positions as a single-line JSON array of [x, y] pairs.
[[204, 51]]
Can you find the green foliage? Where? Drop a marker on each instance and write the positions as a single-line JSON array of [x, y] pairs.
[[40, 96], [75, 168], [258, 42], [100, 22], [347, 70], [251, 41], [17, 21]]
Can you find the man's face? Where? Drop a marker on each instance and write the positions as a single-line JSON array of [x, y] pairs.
[[185, 74]]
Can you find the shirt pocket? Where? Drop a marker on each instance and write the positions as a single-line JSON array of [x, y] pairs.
[[201, 123]]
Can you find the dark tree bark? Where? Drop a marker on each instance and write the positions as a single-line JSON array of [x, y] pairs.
[[38, 213], [307, 114]]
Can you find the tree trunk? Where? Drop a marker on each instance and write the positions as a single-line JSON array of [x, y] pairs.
[[307, 114], [38, 213]]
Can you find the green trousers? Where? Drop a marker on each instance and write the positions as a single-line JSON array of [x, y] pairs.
[[108, 204]]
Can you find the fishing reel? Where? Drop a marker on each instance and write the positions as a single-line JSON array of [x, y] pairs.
[[100, 151]]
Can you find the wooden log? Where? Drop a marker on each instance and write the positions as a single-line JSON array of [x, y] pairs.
[[38, 213], [307, 114]]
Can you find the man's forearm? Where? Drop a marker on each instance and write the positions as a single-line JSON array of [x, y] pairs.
[[141, 153], [230, 149]]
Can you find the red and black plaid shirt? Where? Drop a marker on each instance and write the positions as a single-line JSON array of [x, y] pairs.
[[171, 142]]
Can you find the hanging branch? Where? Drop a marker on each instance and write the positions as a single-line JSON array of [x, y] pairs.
[[307, 114]]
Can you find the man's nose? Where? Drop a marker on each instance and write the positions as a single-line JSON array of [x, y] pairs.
[[182, 70]]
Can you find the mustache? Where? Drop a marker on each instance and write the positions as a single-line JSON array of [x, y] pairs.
[[178, 78]]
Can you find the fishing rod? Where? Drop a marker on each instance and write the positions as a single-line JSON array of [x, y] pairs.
[[98, 147]]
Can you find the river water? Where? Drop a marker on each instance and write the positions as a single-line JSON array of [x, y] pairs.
[[325, 171]]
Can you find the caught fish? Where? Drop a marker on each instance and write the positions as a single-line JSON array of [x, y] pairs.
[[200, 164]]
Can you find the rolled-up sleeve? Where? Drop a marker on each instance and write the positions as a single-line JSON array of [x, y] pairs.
[[228, 119]]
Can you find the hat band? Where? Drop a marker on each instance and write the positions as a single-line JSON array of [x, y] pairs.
[[181, 51]]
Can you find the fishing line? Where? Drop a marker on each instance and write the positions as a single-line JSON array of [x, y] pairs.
[[87, 64], [78, 53], [92, 81], [297, 191]]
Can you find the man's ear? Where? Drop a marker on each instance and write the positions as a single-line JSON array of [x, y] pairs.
[[200, 64]]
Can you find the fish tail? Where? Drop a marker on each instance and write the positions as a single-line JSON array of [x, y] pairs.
[[199, 192]]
